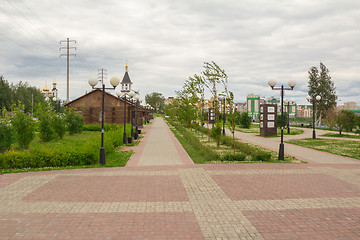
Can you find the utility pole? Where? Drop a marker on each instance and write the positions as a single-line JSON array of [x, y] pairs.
[[67, 41]]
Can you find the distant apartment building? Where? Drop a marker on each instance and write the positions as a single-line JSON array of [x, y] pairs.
[[253, 105], [351, 106], [240, 107], [168, 100], [304, 111]]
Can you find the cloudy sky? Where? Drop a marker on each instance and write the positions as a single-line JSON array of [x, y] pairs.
[[166, 41]]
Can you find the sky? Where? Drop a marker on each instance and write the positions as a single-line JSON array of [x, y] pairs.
[[164, 42]]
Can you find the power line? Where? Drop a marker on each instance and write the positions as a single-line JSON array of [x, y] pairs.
[[26, 31]]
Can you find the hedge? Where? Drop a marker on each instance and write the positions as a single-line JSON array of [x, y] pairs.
[[86, 154]]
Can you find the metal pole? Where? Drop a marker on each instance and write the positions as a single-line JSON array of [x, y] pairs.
[[132, 125], [314, 135], [124, 136], [136, 128], [67, 68], [102, 150], [288, 120], [281, 147]]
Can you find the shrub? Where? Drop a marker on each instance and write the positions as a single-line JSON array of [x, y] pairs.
[[59, 124], [245, 120], [45, 115], [23, 126], [75, 121], [261, 156], [6, 135], [233, 157]]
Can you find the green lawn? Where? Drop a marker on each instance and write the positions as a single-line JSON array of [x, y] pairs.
[[255, 128], [201, 152], [347, 148], [116, 158], [341, 135]]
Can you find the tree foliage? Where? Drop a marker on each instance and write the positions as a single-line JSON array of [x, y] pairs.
[[320, 83], [23, 124], [74, 121], [245, 120], [11, 94], [345, 120], [156, 100]]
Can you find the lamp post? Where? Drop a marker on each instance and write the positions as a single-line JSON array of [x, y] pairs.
[[114, 82], [223, 130], [288, 118], [314, 112], [132, 94], [123, 96], [272, 84], [137, 97]]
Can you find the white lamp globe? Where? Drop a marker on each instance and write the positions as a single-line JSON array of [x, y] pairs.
[[118, 92], [318, 97], [93, 81], [137, 97], [292, 83], [308, 98], [132, 93], [272, 83], [114, 81]]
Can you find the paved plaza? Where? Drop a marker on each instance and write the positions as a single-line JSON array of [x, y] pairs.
[[162, 194]]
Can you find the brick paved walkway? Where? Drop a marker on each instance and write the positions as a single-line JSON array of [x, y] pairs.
[[161, 194]]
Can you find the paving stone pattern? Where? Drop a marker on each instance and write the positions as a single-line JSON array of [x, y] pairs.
[[161, 194]]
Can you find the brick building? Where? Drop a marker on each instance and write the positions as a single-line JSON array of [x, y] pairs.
[[90, 105]]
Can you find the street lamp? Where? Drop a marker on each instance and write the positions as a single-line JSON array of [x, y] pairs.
[[114, 82], [122, 95], [314, 112], [132, 94], [272, 84], [223, 101], [137, 97]]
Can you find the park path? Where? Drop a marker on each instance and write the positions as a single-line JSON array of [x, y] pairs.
[[161, 194], [305, 154]]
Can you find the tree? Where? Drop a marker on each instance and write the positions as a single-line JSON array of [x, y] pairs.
[[6, 133], [156, 100], [320, 83], [6, 94], [23, 126], [346, 120], [245, 120]]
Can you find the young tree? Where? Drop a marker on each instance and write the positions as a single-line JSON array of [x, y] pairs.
[[45, 114], [6, 133], [6, 94], [23, 126], [245, 120], [320, 83], [346, 120], [156, 100], [74, 120]]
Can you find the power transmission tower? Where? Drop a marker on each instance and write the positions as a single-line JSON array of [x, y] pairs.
[[102, 74], [67, 41]]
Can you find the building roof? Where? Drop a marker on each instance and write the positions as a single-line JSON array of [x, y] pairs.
[[69, 103], [126, 78]]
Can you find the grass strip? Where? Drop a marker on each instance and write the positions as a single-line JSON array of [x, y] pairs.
[[346, 148], [341, 135]]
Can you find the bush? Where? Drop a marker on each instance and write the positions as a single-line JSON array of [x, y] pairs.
[[23, 126], [6, 135], [245, 120], [45, 115], [59, 124], [234, 157], [75, 121], [261, 156]]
